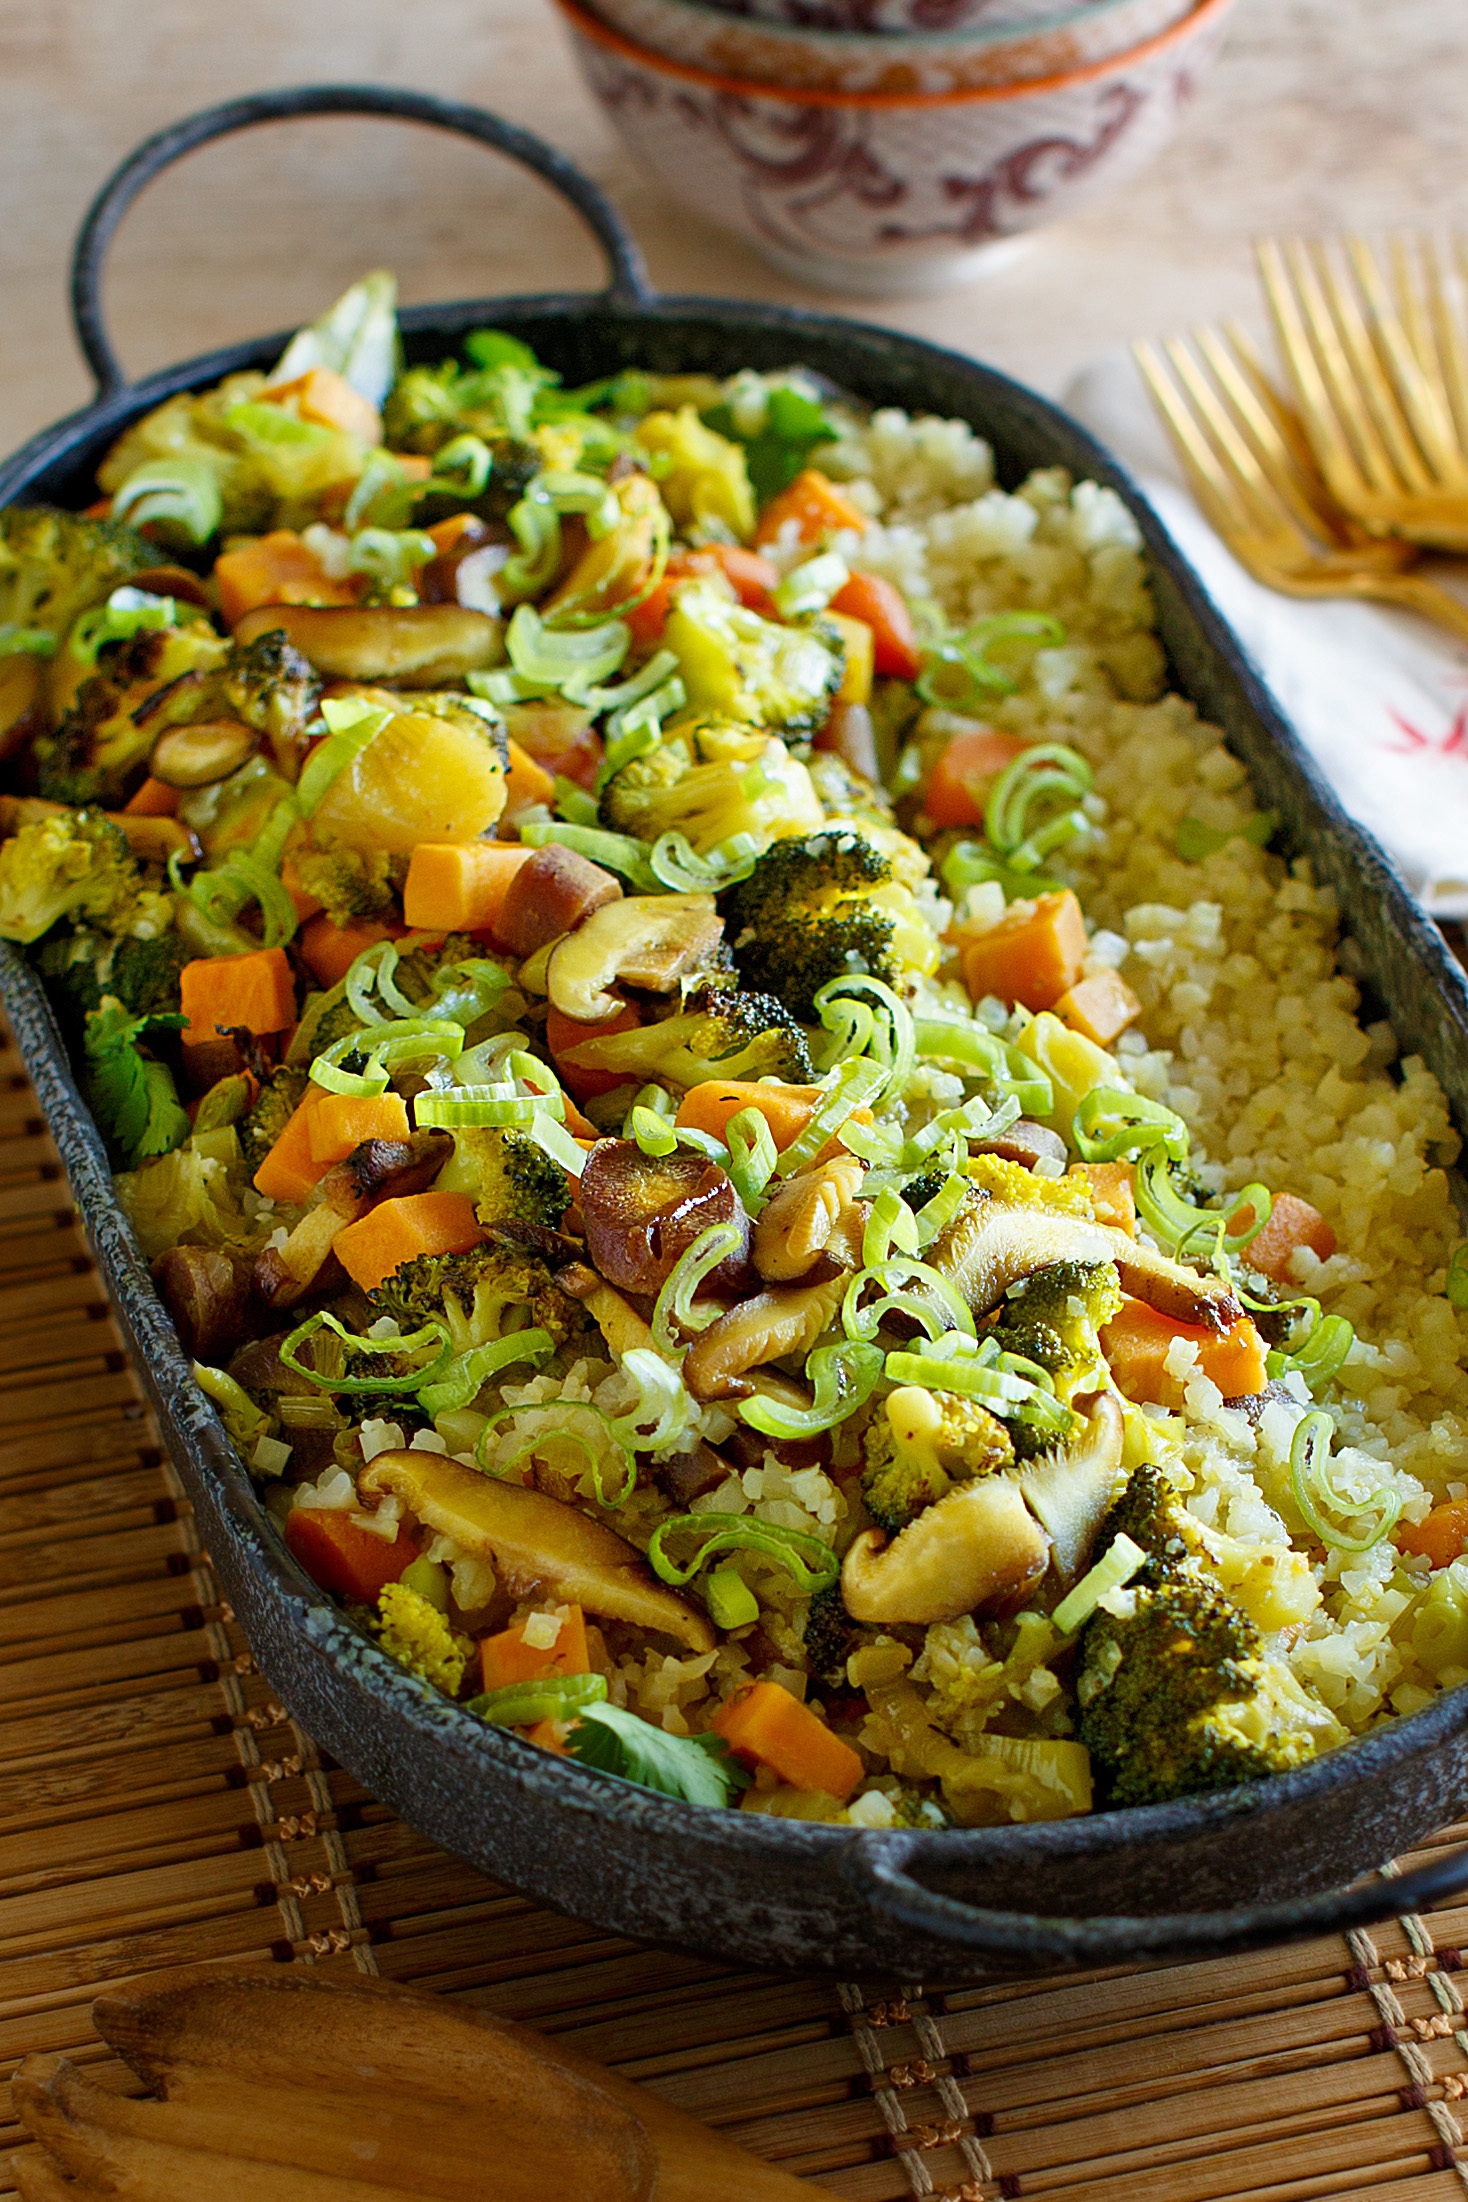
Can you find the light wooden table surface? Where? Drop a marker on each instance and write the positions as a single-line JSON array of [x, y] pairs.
[[1322, 113]]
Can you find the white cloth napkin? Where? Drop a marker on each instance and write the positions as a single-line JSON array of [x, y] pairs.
[[1379, 697]]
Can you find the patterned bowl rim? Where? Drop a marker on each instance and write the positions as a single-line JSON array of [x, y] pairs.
[[928, 45], [591, 27]]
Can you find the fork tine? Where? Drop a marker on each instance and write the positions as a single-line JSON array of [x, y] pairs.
[[1364, 397], [1451, 335], [1333, 450], [1284, 456], [1409, 406], [1215, 490], [1262, 500]]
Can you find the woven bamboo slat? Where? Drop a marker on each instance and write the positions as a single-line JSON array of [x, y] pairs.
[[158, 1807]]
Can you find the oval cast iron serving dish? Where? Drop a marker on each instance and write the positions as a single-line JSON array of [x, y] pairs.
[[1200, 1876]]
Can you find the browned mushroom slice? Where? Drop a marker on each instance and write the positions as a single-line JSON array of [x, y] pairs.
[[684, 1477], [647, 941], [534, 1539], [798, 1225], [989, 1246], [1026, 1143], [197, 756], [787, 1319], [979, 1548], [552, 894], [411, 645], [1071, 1491], [640, 1212], [207, 1292]]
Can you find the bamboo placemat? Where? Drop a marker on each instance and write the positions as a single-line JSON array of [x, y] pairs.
[[157, 1808]]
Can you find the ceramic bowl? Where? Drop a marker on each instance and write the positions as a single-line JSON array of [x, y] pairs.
[[882, 194], [981, 58], [893, 15]]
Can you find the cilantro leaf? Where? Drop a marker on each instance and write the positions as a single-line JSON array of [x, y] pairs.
[[794, 424], [696, 1768], [133, 1098]]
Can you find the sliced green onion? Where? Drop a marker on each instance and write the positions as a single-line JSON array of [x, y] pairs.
[[462, 466], [1035, 778], [417, 1341], [548, 1697], [957, 673], [752, 1156], [731, 1602], [648, 678], [329, 1070], [663, 1399], [1160, 1205], [1456, 1287], [1195, 840], [185, 493], [1310, 1481], [679, 867], [940, 1309], [352, 724], [561, 659], [556, 1142], [887, 1031], [890, 1222], [653, 1133], [970, 1120], [618, 852], [993, 1379], [385, 1048], [390, 556], [468, 990], [674, 1311], [853, 1085], [645, 717], [811, 586], [934, 1217], [1115, 1568], [843, 1378], [812, 1565], [567, 1434], [127, 612], [26, 642], [1321, 1356], [573, 803], [1111, 1123], [974, 1048], [466, 1377], [536, 527], [463, 1106]]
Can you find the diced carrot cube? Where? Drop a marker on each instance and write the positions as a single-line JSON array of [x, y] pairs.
[[278, 568], [340, 1123], [327, 398], [883, 608], [563, 1033], [1292, 1222], [1033, 955], [527, 782], [154, 799], [1099, 1008], [255, 990], [507, 1658], [460, 886], [550, 1734], [1111, 1193], [767, 1726], [1137, 1342], [290, 1172], [856, 674], [397, 1231], [814, 505], [1441, 1536], [330, 949], [343, 1557], [967, 767]]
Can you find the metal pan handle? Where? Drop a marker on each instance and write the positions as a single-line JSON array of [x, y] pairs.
[[628, 285], [877, 1866]]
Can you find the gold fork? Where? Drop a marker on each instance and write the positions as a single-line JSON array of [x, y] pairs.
[[1253, 473], [1380, 368]]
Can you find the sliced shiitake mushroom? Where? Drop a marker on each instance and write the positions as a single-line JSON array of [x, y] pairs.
[[989, 1246], [648, 941], [197, 756], [641, 1212], [411, 645], [1070, 1491], [1026, 1143], [797, 1226], [207, 1292], [978, 1547], [787, 1319]]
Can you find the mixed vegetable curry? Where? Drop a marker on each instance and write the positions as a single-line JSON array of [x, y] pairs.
[[624, 1115]]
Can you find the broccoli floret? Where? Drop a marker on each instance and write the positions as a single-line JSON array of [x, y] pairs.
[[142, 974], [512, 1181], [734, 662], [348, 883], [418, 1636], [72, 864], [721, 1034], [710, 784], [267, 684], [54, 565], [1174, 1692], [918, 1191], [496, 1287], [1052, 1317], [274, 1106], [830, 1637], [814, 908], [99, 751], [920, 1446]]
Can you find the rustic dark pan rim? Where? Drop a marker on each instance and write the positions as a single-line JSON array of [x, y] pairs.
[[878, 1868]]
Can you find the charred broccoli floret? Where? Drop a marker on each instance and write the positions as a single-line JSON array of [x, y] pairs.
[[711, 784], [814, 908], [734, 662], [269, 686], [348, 883], [830, 1637], [918, 1191], [274, 1106], [722, 1033], [1174, 1692], [99, 751], [74, 864], [142, 974], [512, 1181], [1052, 1317], [920, 1446], [54, 565], [495, 1288]]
